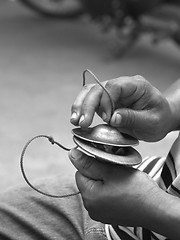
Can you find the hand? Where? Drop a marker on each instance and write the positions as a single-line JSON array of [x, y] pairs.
[[116, 194], [140, 109]]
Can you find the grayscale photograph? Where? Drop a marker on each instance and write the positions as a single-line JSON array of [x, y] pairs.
[[89, 120]]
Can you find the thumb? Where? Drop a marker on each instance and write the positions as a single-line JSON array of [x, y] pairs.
[[88, 166], [124, 118]]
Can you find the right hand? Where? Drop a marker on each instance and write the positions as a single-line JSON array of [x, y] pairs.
[[125, 196], [140, 109]]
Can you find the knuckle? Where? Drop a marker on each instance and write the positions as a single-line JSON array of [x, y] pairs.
[[155, 119], [111, 83], [87, 87], [155, 122], [108, 84], [141, 81], [139, 78], [129, 120]]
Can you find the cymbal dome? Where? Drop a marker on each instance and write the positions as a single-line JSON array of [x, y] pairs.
[[105, 134]]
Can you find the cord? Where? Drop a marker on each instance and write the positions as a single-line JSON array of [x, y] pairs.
[[52, 141], [100, 84]]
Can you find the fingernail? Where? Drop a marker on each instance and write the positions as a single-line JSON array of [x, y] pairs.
[[75, 154], [118, 119], [81, 119], [74, 115], [104, 116]]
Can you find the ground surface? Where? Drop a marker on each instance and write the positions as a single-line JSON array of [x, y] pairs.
[[41, 64]]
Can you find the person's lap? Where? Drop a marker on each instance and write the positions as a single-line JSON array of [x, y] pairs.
[[26, 214]]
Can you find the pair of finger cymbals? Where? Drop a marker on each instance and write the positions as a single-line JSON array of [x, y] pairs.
[[106, 143]]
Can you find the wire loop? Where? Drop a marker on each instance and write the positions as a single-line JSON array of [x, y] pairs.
[[52, 141], [100, 84]]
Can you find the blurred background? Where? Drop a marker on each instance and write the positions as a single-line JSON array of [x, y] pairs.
[[41, 63]]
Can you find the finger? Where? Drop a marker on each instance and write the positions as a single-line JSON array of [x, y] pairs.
[[88, 166], [76, 107], [133, 122], [105, 104], [125, 91], [105, 108], [124, 118], [119, 89], [90, 105]]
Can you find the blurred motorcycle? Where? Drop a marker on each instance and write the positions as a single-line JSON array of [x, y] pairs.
[[131, 19], [127, 19]]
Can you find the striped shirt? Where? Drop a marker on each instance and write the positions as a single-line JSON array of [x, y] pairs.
[[166, 172]]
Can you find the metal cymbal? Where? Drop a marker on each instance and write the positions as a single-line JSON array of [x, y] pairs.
[[130, 156], [105, 134]]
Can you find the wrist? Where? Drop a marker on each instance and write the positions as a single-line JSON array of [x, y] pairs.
[[174, 115], [164, 215], [172, 95]]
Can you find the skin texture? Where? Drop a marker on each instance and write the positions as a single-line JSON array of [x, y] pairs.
[[125, 196], [118, 194], [140, 109]]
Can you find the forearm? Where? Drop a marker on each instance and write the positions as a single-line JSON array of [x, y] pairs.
[[164, 216], [172, 94]]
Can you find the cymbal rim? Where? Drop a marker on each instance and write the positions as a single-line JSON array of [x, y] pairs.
[[134, 157], [121, 140]]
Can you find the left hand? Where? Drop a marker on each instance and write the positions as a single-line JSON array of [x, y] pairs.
[[140, 109], [116, 194]]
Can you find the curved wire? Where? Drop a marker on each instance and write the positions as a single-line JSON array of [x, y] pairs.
[[51, 140], [100, 84]]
